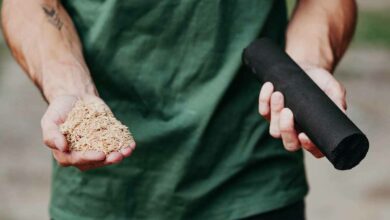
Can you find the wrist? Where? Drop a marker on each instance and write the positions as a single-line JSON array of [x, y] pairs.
[[315, 56], [59, 79], [76, 91], [310, 45]]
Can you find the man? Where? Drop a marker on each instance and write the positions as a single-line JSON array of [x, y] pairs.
[[170, 70]]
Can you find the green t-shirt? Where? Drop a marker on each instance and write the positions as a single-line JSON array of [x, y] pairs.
[[171, 71]]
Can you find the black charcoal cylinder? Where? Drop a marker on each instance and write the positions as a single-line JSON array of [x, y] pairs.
[[338, 138]]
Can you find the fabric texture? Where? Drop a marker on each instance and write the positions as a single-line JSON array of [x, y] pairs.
[[171, 71], [295, 211]]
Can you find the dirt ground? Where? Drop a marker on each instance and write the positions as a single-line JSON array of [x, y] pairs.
[[360, 194]]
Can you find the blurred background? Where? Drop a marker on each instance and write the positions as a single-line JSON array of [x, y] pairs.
[[360, 194]]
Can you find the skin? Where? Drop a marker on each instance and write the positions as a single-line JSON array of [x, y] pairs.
[[56, 115], [317, 37], [51, 55]]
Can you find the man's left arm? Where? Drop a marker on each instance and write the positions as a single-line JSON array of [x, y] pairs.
[[318, 34]]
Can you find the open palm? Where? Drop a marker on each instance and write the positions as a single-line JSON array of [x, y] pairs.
[[54, 116]]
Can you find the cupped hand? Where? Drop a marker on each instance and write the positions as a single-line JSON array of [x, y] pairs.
[[271, 106], [54, 116]]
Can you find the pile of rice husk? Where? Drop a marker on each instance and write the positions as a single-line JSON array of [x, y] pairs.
[[92, 126]]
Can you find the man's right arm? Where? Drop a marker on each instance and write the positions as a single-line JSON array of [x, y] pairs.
[[45, 43]]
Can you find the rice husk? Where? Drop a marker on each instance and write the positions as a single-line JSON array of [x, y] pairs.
[[92, 126]]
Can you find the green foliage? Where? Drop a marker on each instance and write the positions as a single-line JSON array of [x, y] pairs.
[[290, 5], [373, 29]]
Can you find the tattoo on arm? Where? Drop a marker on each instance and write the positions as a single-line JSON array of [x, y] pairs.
[[52, 16]]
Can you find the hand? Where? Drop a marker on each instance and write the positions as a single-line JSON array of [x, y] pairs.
[[54, 139], [271, 106]]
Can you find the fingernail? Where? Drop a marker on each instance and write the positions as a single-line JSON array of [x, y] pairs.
[[278, 96], [126, 151], [114, 157]]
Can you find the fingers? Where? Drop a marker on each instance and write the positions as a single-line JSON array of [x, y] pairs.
[[127, 150], [112, 158], [326, 81], [282, 126], [308, 145], [91, 159], [76, 158], [51, 135], [55, 115], [287, 130], [338, 96], [277, 104], [271, 106], [264, 99], [337, 93]]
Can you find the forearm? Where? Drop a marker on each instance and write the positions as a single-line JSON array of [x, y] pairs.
[[44, 42], [320, 31]]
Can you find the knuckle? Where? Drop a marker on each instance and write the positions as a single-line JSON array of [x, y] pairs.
[[263, 99], [285, 129], [295, 145], [277, 102]]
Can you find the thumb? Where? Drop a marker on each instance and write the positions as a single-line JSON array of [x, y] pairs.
[[52, 137], [338, 96]]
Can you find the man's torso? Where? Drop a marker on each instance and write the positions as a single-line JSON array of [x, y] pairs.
[[170, 70]]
